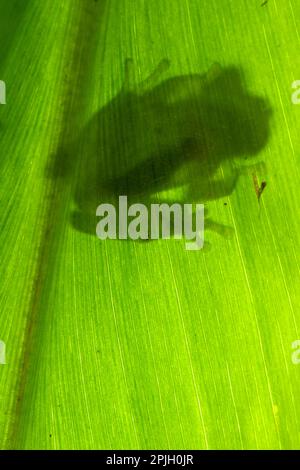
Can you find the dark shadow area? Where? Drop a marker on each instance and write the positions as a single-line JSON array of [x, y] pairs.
[[12, 14], [162, 134]]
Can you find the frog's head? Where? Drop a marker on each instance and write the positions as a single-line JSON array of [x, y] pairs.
[[237, 121]]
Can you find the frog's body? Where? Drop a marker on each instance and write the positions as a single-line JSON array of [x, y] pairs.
[[152, 137]]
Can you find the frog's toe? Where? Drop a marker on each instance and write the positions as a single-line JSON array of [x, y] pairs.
[[259, 167], [154, 77], [223, 230], [214, 72], [227, 232]]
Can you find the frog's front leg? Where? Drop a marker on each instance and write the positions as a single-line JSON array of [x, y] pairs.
[[130, 79], [259, 167], [154, 77]]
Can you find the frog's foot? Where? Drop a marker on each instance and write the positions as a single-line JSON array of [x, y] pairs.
[[259, 167], [223, 230]]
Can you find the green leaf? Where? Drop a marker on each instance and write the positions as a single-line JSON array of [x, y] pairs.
[[122, 344]]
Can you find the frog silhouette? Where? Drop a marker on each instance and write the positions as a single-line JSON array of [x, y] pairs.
[[194, 132]]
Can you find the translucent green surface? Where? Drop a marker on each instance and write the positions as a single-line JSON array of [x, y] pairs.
[[129, 345]]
